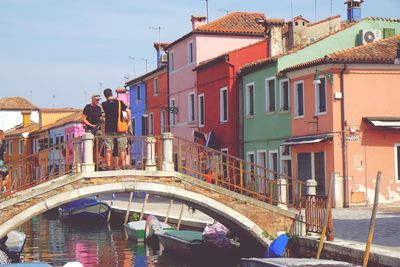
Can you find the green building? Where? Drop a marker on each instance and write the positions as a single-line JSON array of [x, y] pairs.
[[267, 107]]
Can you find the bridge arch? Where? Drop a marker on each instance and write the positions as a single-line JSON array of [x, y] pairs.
[[218, 210]]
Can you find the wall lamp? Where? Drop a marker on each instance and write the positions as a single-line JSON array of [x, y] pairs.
[[328, 76]]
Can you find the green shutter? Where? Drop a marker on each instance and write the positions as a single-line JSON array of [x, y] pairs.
[[388, 32]]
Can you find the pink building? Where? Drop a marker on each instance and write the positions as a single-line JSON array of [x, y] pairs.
[[346, 123], [204, 42]]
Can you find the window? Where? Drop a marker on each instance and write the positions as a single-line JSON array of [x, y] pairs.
[[311, 165], [251, 168], [133, 125], [320, 97], [155, 86], [172, 116], [163, 119], [285, 95], [171, 61], [273, 164], [299, 99], [21, 146], [270, 95], [261, 171], [151, 123], [397, 161], [191, 107], [10, 147], [223, 104], [190, 53], [250, 100], [138, 93], [201, 110], [144, 125], [225, 162]]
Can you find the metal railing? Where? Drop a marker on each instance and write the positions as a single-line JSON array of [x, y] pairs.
[[315, 212], [236, 174]]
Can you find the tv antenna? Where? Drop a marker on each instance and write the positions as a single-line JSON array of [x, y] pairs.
[[54, 100], [157, 29], [224, 11]]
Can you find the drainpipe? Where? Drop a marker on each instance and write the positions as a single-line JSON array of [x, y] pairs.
[[344, 141], [167, 122], [234, 81]]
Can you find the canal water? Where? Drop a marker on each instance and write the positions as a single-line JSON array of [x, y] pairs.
[[52, 241]]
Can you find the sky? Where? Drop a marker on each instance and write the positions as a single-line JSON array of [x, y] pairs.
[[60, 52]]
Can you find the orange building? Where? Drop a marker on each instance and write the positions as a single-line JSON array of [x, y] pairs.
[[346, 122]]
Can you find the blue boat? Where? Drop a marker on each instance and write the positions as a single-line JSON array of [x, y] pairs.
[[84, 211]]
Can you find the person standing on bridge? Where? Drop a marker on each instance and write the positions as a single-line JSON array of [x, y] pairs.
[[91, 116], [113, 109], [2, 145]]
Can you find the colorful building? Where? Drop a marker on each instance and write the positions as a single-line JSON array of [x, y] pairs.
[[204, 42], [218, 92], [345, 121], [12, 110], [267, 104]]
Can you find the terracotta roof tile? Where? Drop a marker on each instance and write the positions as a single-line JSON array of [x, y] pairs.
[[382, 51], [16, 103], [324, 20], [235, 23], [20, 130]]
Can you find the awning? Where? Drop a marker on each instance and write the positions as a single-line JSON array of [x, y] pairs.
[[310, 139], [386, 122]]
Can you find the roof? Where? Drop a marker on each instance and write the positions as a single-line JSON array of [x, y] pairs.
[[382, 52], [308, 139], [300, 17], [16, 103], [235, 23], [75, 117], [58, 110], [20, 130], [144, 76], [386, 122], [256, 65], [382, 19], [324, 20]]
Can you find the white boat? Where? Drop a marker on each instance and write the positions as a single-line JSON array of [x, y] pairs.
[[135, 230], [15, 244], [292, 262]]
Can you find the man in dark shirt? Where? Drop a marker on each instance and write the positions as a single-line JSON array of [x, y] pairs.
[[2, 145], [110, 108], [91, 116]]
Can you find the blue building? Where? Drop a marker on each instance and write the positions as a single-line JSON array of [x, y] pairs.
[[137, 92]]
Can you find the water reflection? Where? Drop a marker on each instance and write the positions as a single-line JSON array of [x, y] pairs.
[[52, 241]]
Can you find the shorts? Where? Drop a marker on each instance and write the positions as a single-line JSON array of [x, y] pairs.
[[121, 140]]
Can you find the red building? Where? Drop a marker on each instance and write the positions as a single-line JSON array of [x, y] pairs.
[[218, 96], [157, 100]]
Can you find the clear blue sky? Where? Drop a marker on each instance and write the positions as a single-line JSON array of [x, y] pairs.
[[66, 48]]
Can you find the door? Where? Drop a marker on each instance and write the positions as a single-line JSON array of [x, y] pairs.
[[319, 169], [261, 172]]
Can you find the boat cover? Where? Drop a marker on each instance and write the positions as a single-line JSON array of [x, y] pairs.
[[277, 247], [78, 204], [189, 236], [216, 234]]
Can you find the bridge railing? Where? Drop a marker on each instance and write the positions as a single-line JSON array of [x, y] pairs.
[[236, 174]]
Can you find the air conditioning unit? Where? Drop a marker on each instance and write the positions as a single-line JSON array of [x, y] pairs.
[[164, 58], [370, 36], [285, 151]]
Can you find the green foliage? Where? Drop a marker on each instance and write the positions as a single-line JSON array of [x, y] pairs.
[[135, 217], [268, 235]]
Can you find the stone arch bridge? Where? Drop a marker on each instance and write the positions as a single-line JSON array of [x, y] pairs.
[[246, 201]]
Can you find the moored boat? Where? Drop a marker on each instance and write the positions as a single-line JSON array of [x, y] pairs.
[[152, 225], [182, 242], [135, 230], [85, 210], [291, 262], [13, 245]]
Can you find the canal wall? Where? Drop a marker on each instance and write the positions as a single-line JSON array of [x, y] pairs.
[[344, 250]]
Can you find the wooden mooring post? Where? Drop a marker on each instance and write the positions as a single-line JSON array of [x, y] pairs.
[[144, 205], [373, 219], [128, 208]]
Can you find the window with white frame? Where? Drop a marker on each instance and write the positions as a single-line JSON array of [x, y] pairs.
[[171, 61], [190, 52], [320, 96], [155, 86], [284, 95], [151, 123], [21, 146], [191, 113], [10, 147], [397, 161], [163, 120], [172, 115], [262, 170], [270, 95], [201, 110], [144, 125], [273, 164], [299, 99], [223, 104], [250, 107]]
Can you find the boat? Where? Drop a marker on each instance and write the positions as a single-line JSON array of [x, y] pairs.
[[85, 210], [140, 230], [291, 262], [13, 244], [182, 242]]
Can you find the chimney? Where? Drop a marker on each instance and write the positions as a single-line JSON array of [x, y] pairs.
[[397, 60], [26, 118], [198, 21], [273, 29], [354, 10]]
